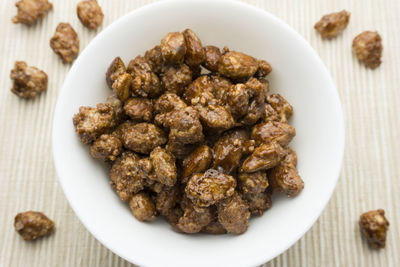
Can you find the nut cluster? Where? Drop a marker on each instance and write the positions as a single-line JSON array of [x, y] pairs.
[[191, 133]]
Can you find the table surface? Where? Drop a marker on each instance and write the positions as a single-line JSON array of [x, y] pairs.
[[370, 177]]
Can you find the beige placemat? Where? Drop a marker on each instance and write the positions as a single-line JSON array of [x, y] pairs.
[[370, 177]]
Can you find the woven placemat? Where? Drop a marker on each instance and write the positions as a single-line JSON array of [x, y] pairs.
[[370, 177]]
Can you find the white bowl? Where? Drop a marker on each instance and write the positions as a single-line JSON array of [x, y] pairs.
[[298, 74]]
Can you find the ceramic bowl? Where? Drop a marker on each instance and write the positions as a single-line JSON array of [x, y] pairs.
[[298, 74]]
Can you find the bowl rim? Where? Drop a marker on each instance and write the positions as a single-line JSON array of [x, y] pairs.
[[252, 8]]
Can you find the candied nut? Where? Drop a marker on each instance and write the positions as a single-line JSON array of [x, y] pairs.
[[30, 11], [233, 214], [179, 150], [90, 13], [208, 188], [215, 117], [32, 225], [145, 82], [194, 49], [142, 207], [229, 149], [273, 131], [285, 177], [164, 166], [367, 46], [139, 109], [238, 100], [253, 183], [106, 147], [155, 59], [116, 68], [333, 24], [168, 102], [173, 48], [264, 157], [91, 122], [264, 68], [237, 65], [176, 78], [184, 124], [122, 86], [173, 216], [258, 203], [147, 85], [138, 65], [198, 88], [374, 226], [167, 199], [28, 81], [143, 137], [212, 58], [220, 87], [214, 228], [270, 114], [65, 42], [281, 106], [291, 157], [258, 86], [193, 220], [118, 132], [127, 176], [255, 111], [165, 119], [197, 162], [114, 102]]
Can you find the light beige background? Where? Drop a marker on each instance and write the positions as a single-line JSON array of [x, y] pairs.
[[370, 177]]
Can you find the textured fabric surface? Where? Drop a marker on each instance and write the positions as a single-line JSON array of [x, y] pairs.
[[370, 177]]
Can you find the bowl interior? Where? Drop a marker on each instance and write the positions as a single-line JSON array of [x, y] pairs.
[[298, 74]]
